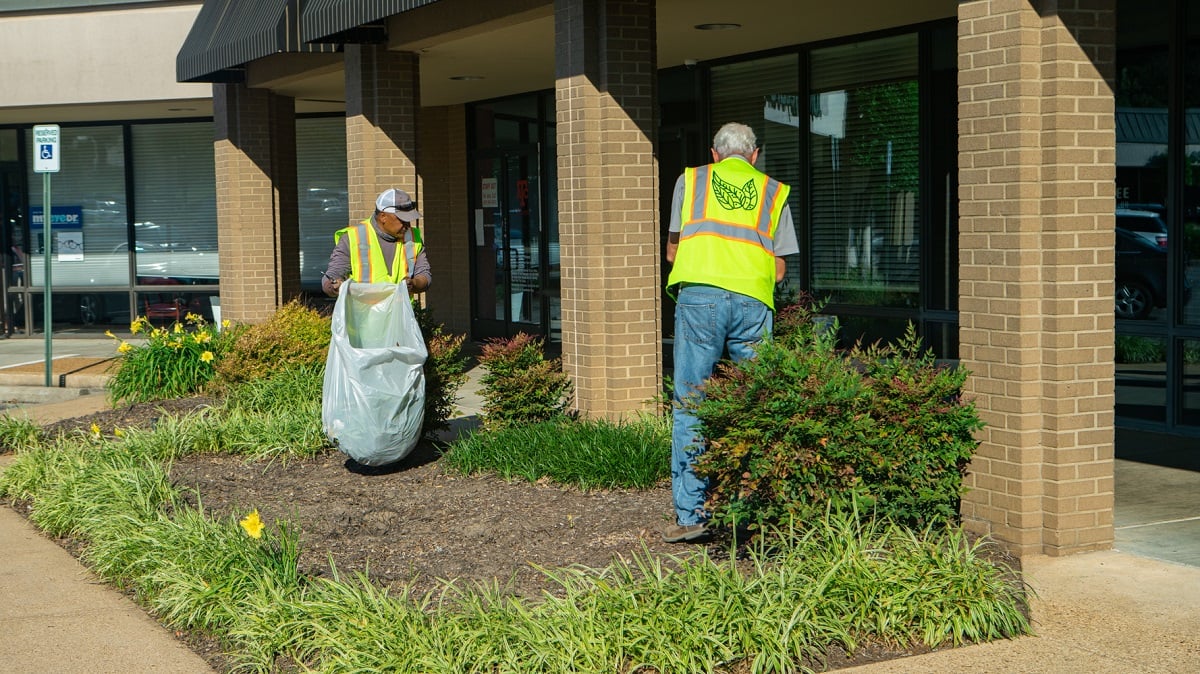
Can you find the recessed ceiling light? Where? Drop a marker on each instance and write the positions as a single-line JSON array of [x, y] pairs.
[[181, 109], [718, 26], [467, 78]]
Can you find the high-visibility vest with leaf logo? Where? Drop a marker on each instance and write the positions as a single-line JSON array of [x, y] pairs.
[[727, 229], [366, 256]]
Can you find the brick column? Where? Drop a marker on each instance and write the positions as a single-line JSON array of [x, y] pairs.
[[382, 100], [258, 224], [443, 145], [608, 202], [1036, 174]]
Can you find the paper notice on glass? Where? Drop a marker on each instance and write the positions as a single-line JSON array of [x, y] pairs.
[[490, 198], [479, 227], [70, 245]]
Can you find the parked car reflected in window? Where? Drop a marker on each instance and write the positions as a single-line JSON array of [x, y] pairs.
[[1144, 223], [1141, 275]]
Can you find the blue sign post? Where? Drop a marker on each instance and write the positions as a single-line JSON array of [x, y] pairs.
[[46, 161]]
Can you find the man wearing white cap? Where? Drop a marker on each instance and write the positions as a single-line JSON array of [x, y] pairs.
[[366, 252]]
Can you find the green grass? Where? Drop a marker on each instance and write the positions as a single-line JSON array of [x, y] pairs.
[[777, 608], [590, 454]]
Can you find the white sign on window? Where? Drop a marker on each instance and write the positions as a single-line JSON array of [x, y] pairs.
[[490, 197], [70, 245]]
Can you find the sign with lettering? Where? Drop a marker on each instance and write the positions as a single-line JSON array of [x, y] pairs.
[[61, 217], [45, 148]]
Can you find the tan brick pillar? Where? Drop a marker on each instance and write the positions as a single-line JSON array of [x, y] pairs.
[[443, 145], [382, 100], [608, 202], [258, 224], [1036, 176]]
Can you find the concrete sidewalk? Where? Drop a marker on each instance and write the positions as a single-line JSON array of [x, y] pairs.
[[1096, 613]]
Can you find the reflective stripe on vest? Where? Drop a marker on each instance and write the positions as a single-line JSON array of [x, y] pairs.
[[366, 255], [727, 236]]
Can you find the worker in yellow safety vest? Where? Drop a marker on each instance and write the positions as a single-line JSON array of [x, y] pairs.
[[367, 252], [730, 230]]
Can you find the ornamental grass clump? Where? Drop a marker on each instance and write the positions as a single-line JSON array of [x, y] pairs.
[[839, 583], [883, 429], [171, 363]]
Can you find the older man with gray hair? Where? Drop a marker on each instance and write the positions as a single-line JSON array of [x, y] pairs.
[[730, 230]]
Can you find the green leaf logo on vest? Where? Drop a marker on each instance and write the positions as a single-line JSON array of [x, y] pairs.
[[732, 197]]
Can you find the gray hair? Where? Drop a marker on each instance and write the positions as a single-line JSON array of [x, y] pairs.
[[735, 138]]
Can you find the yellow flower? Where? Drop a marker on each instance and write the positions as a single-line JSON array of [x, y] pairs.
[[252, 524], [225, 323], [118, 432], [202, 337], [125, 347], [206, 356], [136, 326], [178, 328], [109, 333], [95, 429]]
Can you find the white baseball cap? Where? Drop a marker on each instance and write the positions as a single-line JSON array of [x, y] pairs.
[[399, 203]]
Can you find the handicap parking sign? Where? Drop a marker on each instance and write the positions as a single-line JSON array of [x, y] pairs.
[[45, 142]]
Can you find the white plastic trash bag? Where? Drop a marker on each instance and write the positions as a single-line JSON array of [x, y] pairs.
[[373, 400]]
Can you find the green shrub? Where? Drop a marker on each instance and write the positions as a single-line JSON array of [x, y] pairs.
[[172, 362], [520, 385], [295, 336], [1132, 349], [801, 427], [445, 372]]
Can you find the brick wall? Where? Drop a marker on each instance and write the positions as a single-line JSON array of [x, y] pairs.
[[445, 221], [382, 99], [257, 219], [608, 202], [1036, 176]]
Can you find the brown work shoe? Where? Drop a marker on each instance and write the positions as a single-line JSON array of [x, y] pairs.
[[685, 533]]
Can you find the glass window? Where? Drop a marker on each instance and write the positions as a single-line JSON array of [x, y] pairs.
[[322, 184], [8, 144], [1190, 207], [864, 164], [764, 94], [1141, 390], [1142, 243], [87, 209], [175, 202]]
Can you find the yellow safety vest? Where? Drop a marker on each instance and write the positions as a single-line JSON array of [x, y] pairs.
[[366, 256], [727, 229]]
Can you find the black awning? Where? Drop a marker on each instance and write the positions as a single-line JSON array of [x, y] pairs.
[[228, 34], [334, 20]]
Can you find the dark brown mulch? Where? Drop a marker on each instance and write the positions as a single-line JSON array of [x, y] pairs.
[[418, 525]]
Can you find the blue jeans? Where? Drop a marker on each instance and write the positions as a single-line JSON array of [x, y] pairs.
[[708, 321]]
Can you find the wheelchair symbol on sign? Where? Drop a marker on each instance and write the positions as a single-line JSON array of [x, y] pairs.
[[47, 152]]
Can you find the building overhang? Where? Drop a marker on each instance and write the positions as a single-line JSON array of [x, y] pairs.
[[355, 21], [228, 34]]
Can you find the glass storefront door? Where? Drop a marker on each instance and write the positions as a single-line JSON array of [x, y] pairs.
[[12, 239], [512, 260]]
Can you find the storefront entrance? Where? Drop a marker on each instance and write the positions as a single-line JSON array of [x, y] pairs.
[[511, 254], [514, 234]]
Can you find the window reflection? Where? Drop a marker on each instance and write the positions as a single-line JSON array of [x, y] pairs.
[[1141, 381], [864, 125]]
